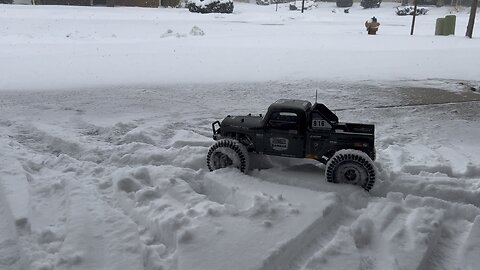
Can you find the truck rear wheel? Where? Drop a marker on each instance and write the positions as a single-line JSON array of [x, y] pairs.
[[228, 153], [351, 167]]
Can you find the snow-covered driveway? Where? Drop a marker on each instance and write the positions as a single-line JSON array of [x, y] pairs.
[[105, 121], [116, 179]]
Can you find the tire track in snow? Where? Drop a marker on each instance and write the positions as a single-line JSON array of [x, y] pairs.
[[348, 242], [93, 234], [440, 252], [445, 252], [463, 190], [73, 228], [155, 253], [471, 249], [293, 254], [405, 233], [452, 236], [97, 236], [386, 235], [11, 254]]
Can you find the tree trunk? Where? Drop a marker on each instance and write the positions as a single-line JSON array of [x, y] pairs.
[[471, 20]]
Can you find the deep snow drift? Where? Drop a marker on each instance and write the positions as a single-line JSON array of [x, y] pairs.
[[98, 177]]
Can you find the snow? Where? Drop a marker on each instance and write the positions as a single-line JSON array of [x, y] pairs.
[[96, 47], [105, 123], [10, 251]]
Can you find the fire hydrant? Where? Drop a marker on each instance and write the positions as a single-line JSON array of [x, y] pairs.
[[372, 26]]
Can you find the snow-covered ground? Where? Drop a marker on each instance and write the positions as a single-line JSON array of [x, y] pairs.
[[105, 121], [96, 47]]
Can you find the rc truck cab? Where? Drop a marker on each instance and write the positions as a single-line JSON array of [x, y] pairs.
[[298, 129]]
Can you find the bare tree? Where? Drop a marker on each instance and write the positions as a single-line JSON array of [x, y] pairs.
[[471, 20]]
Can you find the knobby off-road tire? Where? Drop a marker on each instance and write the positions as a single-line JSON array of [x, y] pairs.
[[351, 167], [228, 153]]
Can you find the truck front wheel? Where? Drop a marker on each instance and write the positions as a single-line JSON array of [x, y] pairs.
[[351, 167], [228, 153]]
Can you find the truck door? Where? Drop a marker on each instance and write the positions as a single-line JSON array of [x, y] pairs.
[[320, 131], [284, 135]]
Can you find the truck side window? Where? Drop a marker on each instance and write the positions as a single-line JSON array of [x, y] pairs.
[[283, 121]]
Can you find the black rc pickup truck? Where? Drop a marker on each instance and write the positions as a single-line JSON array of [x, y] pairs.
[[297, 129]]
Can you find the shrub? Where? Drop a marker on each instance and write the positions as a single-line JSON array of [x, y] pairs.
[[210, 6], [370, 3], [344, 3]]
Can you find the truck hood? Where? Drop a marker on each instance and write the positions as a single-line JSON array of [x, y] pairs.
[[242, 122]]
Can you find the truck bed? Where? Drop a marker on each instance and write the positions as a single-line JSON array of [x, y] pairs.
[[356, 128]]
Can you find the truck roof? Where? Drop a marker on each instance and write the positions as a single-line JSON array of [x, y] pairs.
[[293, 104]]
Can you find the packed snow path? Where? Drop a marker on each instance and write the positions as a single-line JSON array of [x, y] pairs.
[[116, 179]]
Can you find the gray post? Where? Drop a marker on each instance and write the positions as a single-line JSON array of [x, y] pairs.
[[471, 19], [414, 16]]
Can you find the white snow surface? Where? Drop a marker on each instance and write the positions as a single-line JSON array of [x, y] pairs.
[[45, 47], [105, 122]]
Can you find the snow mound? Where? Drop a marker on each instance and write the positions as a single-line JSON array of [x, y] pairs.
[[397, 231], [197, 31], [11, 255]]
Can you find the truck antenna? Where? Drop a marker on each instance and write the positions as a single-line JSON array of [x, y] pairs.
[[316, 92]]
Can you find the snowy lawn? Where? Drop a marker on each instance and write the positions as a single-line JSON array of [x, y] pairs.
[[105, 122], [77, 47]]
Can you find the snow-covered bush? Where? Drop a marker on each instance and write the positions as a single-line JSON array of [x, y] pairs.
[[297, 5], [370, 3], [263, 2], [210, 6], [170, 3], [427, 2], [344, 3], [268, 2], [409, 10]]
